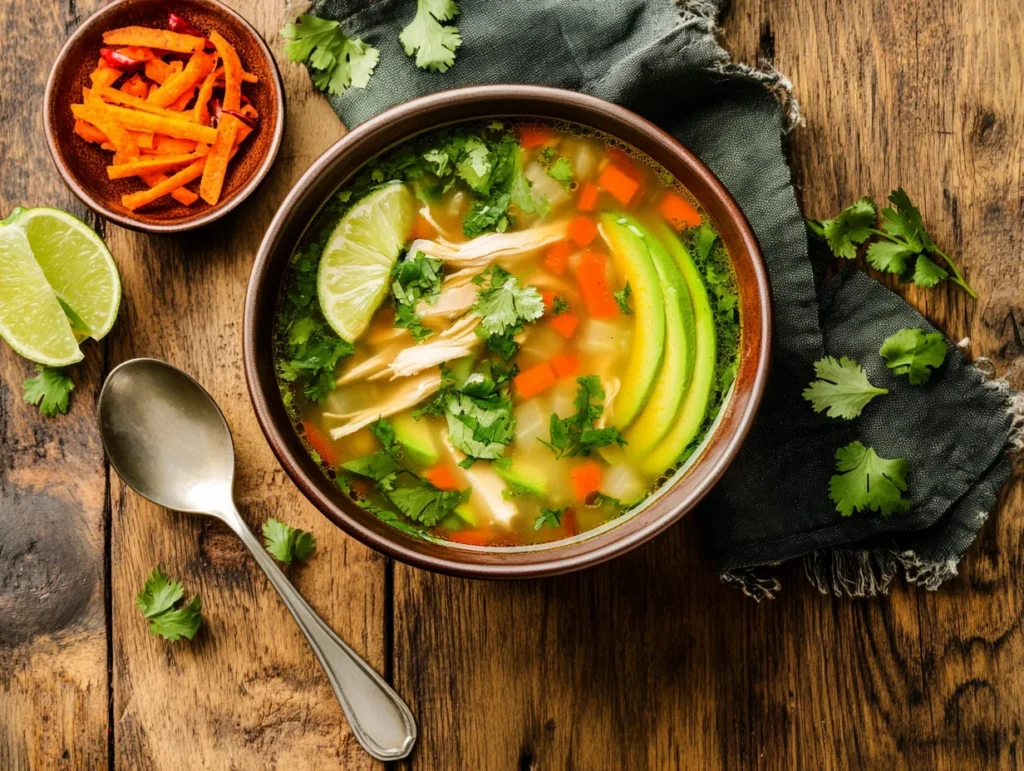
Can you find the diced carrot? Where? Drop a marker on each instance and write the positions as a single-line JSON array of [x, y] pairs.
[[442, 478], [678, 211], [588, 197], [422, 229], [622, 159], [533, 135], [592, 276], [138, 53], [569, 523], [565, 324], [556, 258], [470, 537], [618, 183], [549, 299], [534, 380], [582, 230], [153, 38], [320, 444], [586, 480], [565, 365]]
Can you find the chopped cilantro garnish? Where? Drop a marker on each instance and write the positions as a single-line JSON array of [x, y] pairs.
[[559, 306], [336, 62], [913, 353], [576, 435], [287, 543], [622, 298], [503, 304], [550, 517], [558, 167], [415, 279], [157, 602], [50, 389]]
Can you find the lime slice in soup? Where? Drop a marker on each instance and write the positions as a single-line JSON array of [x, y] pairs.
[[355, 269], [77, 265], [31, 318]]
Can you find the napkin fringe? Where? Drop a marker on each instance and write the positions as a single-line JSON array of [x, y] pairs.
[[1014, 403]]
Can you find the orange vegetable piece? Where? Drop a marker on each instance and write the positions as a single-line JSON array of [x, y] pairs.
[[569, 523], [233, 71], [165, 145], [135, 86], [152, 164], [143, 138], [565, 324], [148, 37], [160, 71], [618, 183], [104, 75], [98, 114], [89, 132], [422, 228], [361, 486], [556, 258], [194, 170], [565, 365], [217, 160], [592, 276], [549, 299], [123, 98], [442, 478], [534, 380], [586, 480], [678, 211], [588, 197], [201, 109], [184, 82], [182, 195], [138, 53], [470, 537], [320, 444], [582, 230], [533, 135]]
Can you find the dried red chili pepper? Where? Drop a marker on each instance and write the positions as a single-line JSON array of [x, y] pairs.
[[184, 26], [250, 122], [215, 112], [118, 60]]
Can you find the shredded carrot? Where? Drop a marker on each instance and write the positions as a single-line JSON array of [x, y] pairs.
[[618, 183], [153, 38], [249, 77], [533, 135], [104, 75], [144, 139], [135, 86], [165, 145], [138, 53], [588, 197], [232, 71], [135, 119], [442, 478], [121, 138], [161, 71], [422, 229], [133, 201], [470, 537], [182, 195], [678, 211], [319, 443], [184, 82], [582, 230], [157, 163], [119, 97], [556, 258], [565, 365], [592, 276], [586, 480], [217, 162], [89, 132], [201, 109], [565, 324], [534, 380]]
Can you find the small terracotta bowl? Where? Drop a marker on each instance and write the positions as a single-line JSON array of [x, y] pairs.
[[83, 165], [399, 124]]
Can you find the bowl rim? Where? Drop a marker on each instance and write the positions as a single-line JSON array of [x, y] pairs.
[[171, 226], [416, 117]]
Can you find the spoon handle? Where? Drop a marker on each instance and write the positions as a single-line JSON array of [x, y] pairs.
[[379, 718]]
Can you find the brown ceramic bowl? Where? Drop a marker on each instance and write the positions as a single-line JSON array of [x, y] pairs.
[[338, 164], [83, 165]]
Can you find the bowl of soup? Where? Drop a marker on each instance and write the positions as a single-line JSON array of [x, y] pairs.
[[507, 331]]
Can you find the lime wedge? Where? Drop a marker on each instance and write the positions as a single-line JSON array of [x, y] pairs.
[[78, 266], [31, 319], [355, 269]]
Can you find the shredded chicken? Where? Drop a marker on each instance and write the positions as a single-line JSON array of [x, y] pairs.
[[408, 394], [455, 342], [458, 293], [486, 484], [485, 249]]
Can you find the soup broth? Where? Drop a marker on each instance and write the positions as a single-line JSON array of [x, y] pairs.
[[506, 333]]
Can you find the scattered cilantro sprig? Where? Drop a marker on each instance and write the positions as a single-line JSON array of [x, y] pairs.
[[158, 602], [913, 353], [50, 389], [622, 298], [868, 482], [337, 62], [558, 167], [842, 388], [415, 279], [576, 435], [286, 543], [434, 44], [550, 517], [903, 246], [503, 304]]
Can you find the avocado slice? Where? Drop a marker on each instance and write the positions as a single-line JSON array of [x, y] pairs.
[[633, 259], [416, 439], [459, 519], [676, 372], [522, 476], [690, 416]]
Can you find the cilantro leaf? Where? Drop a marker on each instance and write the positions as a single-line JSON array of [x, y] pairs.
[[414, 280], [503, 304], [421, 502], [50, 389], [914, 353], [889, 257], [559, 305], [927, 273], [559, 168], [903, 220], [550, 517], [286, 543], [576, 435], [337, 62], [433, 44], [869, 482], [157, 602], [851, 227], [480, 419], [622, 298], [842, 388]]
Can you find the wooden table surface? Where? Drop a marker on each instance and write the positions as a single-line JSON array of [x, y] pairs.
[[647, 662]]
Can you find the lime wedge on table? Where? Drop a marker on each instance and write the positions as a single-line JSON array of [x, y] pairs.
[[355, 269], [77, 265], [31, 319]]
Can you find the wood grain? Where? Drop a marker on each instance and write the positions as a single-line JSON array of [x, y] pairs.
[[648, 662]]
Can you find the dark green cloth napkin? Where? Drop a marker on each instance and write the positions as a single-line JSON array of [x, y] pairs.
[[662, 60]]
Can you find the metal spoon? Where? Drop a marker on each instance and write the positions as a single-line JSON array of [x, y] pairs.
[[168, 440]]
